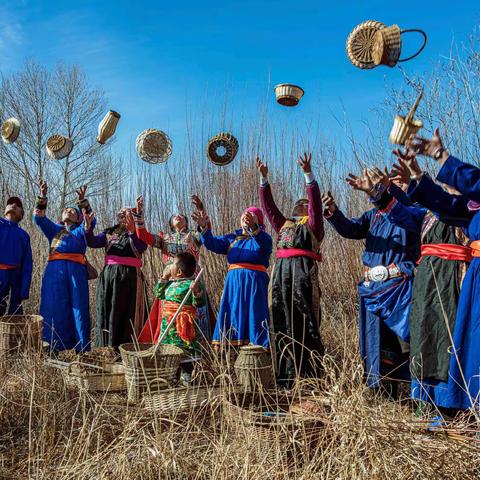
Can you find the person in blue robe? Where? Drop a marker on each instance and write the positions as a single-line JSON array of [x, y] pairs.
[[243, 316], [464, 376], [15, 259], [64, 302], [386, 291], [436, 286]]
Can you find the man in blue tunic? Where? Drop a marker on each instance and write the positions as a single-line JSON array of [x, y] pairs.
[[15, 259], [385, 292]]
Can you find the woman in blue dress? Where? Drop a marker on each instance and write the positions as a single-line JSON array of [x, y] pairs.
[[464, 376], [243, 316], [64, 299]]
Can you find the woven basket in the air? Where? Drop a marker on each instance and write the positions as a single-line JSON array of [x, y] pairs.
[[226, 141], [153, 146], [361, 42]]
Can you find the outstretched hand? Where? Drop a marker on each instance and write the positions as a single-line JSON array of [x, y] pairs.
[[305, 162], [43, 188], [377, 176], [201, 218], [424, 146], [197, 203], [362, 183], [329, 202], [88, 219], [81, 192], [262, 168], [406, 166], [129, 222], [139, 204]]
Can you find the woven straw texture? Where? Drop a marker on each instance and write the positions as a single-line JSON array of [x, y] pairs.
[[360, 44], [387, 46], [288, 95], [154, 146], [19, 334], [59, 147], [228, 142], [10, 130]]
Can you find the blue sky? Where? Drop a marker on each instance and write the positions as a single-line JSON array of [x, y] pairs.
[[157, 60]]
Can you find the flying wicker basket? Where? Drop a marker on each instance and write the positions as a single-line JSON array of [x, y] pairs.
[[59, 147], [10, 130], [288, 95], [107, 126], [388, 45], [360, 44], [154, 146], [228, 142], [403, 127]]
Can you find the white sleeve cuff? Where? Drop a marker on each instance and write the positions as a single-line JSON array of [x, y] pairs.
[[263, 181], [309, 177]]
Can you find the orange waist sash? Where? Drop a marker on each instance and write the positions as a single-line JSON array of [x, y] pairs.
[[248, 266], [7, 267], [185, 323], [73, 257], [475, 246]]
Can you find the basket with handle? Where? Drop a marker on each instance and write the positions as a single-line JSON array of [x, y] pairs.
[[387, 45], [403, 127], [149, 370], [360, 44], [19, 334]]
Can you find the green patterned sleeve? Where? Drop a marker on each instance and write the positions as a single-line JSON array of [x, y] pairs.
[[160, 289]]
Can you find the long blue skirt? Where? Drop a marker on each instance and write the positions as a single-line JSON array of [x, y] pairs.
[[464, 377], [65, 306], [243, 316]]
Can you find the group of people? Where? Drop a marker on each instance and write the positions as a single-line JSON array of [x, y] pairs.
[[419, 312]]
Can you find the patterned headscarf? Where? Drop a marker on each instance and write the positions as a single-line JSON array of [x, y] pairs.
[[79, 214], [259, 214]]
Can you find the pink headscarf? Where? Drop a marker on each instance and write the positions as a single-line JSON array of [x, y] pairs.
[[258, 212]]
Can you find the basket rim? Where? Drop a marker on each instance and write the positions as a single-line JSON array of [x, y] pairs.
[[33, 319], [289, 85]]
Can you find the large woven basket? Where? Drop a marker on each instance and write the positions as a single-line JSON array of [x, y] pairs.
[[153, 146], [360, 44], [178, 400], [275, 428], [253, 367], [226, 141], [19, 334], [146, 373]]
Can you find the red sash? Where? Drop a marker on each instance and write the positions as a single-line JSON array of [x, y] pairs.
[[447, 251], [297, 252]]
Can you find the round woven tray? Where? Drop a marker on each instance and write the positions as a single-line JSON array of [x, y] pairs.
[[153, 146], [361, 42], [59, 146], [228, 142], [10, 130]]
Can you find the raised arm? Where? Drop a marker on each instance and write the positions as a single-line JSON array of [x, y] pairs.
[[315, 213], [142, 233], [216, 244], [48, 228], [274, 215]]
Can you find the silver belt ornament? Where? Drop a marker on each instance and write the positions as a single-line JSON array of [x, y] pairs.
[[381, 273]]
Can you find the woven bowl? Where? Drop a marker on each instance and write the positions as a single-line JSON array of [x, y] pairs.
[[10, 130], [154, 146], [360, 44], [59, 146], [228, 142], [288, 95], [402, 129]]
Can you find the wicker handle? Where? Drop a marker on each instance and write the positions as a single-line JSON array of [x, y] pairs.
[[83, 365], [412, 111], [158, 380], [421, 32]]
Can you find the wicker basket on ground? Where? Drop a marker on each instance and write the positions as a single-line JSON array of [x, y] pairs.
[[19, 334], [147, 372], [268, 426]]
